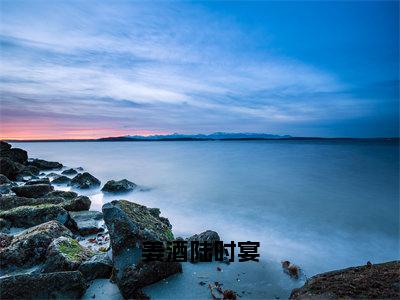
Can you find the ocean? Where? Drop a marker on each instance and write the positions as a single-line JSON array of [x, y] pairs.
[[322, 205]]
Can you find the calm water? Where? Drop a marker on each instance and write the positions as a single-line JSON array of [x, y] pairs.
[[322, 205]]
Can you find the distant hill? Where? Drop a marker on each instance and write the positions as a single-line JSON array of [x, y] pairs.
[[201, 137]]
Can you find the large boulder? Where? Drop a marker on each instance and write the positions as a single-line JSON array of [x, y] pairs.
[[15, 154], [130, 225], [79, 203], [4, 146], [86, 222], [27, 216], [42, 164], [29, 247], [85, 181], [32, 191], [9, 168], [65, 254], [120, 186], [98, 266], [209, 236], [69, 172], [62, 194], [60, 285], [364, 282], [61, 180]]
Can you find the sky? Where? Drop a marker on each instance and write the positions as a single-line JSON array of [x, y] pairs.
[[91, 69]]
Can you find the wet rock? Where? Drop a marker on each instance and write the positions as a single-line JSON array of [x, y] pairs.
[[42, 164], [98, 266], [206, 236], [5, 189], [9, 168], [4, 225], [4, 179], [27, 216], [86, 222], [129, 225], [62, 194], [69, 172], [61, 180], [38, 181], [65, 254], [59, 285], [52, 175], [363, 282], [8, 202], [32, 191], [85, 181], [4, 146], [29, 247], [77, 204], [120, 186], [15, 154], [5, 240]]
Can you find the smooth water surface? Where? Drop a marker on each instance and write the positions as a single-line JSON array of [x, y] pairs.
[[322, 204]]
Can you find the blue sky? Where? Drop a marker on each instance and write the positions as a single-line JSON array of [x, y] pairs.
[[82, 69]]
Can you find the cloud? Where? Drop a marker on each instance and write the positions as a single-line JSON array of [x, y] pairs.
[[179, 66]]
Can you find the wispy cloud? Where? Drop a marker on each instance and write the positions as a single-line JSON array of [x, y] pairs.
[[161, 67]]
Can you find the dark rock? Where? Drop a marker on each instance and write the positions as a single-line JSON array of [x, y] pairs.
[[12, 201], [32, 191], [9, 168], [27, 173], [4, 146], [59, 285], [65, 254], [85, 181], [62, 194], [61, 180], [38, 181], [52, 175], [27, 216], [364, 282], [4, 225], [15, 154], [120, 186], [98, 266], [29, 247], [5, 240], [206, 236], [69, 172], [86, 222], [77, 204], [4, 179], [42, 164], [5, 189], [129, 225]]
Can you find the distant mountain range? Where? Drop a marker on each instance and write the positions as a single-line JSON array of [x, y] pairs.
[[202, 137]]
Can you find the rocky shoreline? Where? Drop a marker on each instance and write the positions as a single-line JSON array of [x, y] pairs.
[[53, 246]]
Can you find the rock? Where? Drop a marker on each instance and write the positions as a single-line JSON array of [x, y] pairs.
[[9, 168], [75, 204], [4, 146], [52, 174], [32, 191], [61, 180], [4, 225], [5, 240], [120, 186], [5, 189], [42, 164], [4, 179], [208, 235], [86, 222], [60, 285], [38, 181], [27, 216], [85, 181], [62, 194], [15, 154], [69, 172], [129, 225], [65, 254], [98, 266], [29, 247], [363, 282]]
